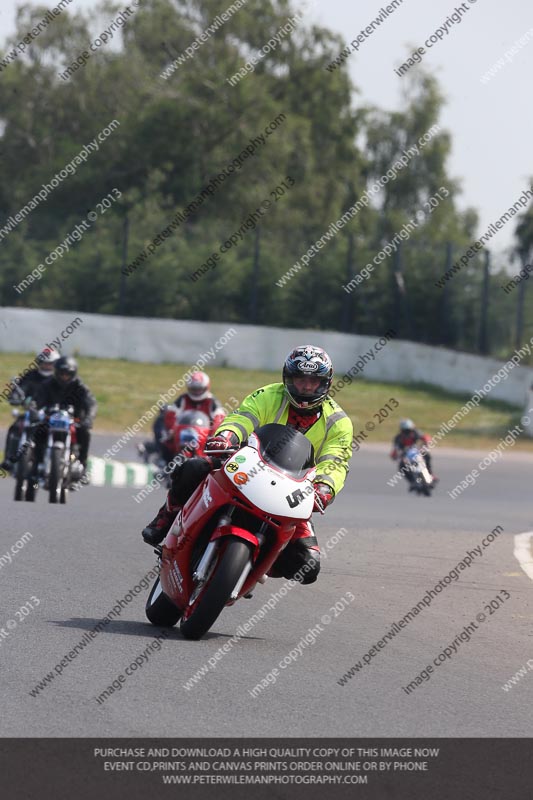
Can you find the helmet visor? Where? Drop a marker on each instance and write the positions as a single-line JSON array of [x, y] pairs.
[[307, 390], [65, 375], [197, 391], [46, 368]]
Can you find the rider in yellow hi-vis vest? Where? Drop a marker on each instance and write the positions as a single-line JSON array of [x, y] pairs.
[[330, 434], [300, 402]]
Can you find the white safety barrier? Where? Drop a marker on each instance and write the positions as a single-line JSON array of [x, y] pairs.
[[254, 347]]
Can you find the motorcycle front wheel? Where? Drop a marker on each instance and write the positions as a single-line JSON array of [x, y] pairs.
[[24, 482], [198, 618], [55, 480]]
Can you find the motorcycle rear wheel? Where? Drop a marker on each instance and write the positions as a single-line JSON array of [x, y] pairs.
[[159, 610], [197, 619]]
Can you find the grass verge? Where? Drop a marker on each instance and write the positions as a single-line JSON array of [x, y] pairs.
[[125, 390]]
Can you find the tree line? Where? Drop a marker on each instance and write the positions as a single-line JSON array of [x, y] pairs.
[[196, 162]]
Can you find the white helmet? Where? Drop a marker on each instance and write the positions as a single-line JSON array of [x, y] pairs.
[[46, 360], [198, 385], [407, 425]]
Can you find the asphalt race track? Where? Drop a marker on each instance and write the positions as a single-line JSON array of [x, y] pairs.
[[84, 557]]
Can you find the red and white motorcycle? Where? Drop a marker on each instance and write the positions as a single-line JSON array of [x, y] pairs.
[[232, 529]]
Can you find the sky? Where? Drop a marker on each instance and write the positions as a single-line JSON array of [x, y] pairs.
[[491, 123]]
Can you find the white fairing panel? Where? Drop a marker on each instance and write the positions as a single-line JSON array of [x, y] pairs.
[[268, 489]]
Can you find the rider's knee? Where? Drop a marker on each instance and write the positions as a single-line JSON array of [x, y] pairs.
[[303, 563]]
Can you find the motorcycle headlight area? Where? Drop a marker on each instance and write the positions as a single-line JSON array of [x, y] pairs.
[[189, 437], [59, 422]]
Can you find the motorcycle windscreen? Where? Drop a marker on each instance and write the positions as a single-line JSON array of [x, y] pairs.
[[267, 488], [285, 448], [193, 419]]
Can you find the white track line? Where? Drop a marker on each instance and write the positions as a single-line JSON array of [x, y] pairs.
[[522, 552]]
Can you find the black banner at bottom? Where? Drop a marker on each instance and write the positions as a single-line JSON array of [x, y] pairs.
[[135, 769]]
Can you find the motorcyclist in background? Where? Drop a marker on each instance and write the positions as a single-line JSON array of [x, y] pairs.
[[64, 388], [24, 391], [408, 436], [198, 397], [301, 402]]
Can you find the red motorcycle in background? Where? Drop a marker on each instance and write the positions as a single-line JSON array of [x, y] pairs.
[[232, 529], [185, 432]]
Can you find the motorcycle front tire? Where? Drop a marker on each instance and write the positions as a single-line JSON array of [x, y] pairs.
[[24, 481], [55, 480], [232, 559]]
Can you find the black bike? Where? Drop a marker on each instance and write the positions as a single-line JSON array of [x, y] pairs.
[[24, 466]]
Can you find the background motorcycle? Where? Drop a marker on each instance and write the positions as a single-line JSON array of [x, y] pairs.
[[232, 529], [61, 466], [23, 469], [422, 481], [184, 434]]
